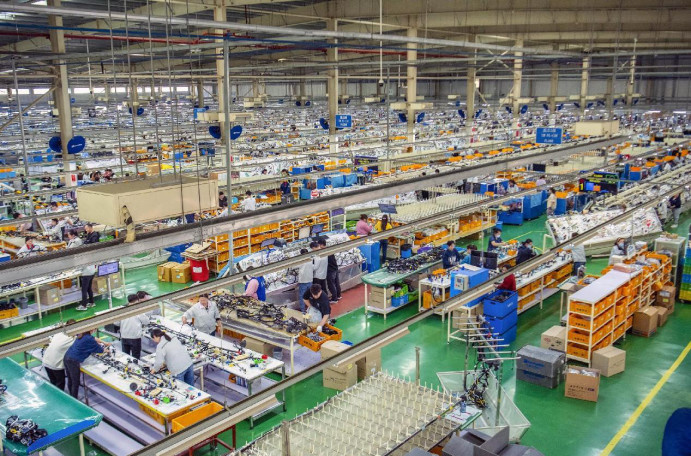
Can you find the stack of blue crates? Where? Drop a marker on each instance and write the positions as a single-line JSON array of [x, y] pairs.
[[501, 312]]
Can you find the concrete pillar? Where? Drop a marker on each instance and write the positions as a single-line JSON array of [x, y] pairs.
[[585, 78], [61, 95], [200, 93], [609, 94], [332, 74], [411, 81], [553, 87], [255, 88]]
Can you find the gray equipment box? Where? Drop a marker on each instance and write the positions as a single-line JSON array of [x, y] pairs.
[[537, 379], [541, 361]]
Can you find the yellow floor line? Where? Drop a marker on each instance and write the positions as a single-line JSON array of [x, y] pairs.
[[653, 392]]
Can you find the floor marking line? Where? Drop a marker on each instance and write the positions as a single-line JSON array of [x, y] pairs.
[[643, 405]]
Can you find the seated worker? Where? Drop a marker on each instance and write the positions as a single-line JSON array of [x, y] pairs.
[[509, 282], [468, 253], [451, 257], [318, 306], [618, 249], [525, 251], [29, 248], [495, 241]]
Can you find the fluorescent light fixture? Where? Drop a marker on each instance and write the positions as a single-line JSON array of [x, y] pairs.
[[679, 112], [40, 2]]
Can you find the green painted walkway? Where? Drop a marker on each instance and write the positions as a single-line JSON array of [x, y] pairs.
[[560, 426]]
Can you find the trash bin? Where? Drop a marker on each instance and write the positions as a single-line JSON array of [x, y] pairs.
[[200, 270], [406, 251]]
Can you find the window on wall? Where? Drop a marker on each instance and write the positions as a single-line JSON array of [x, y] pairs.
[[40, 90], [182, 89], [80, 90]]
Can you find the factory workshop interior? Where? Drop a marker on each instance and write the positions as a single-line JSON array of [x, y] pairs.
[[345, 227]]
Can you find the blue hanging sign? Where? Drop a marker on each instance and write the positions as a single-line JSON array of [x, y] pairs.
[[524, 109], [308, 103], [508, 109], [461, 113], [420, 117], [215, 131], [560, 107], [76, 145], [402, 117], [235, 132], [55, 144], [477, 113], [344, 121], [545, 106], [545, 135], [589, 105], [298, 103], [576, 104], [324, 123]]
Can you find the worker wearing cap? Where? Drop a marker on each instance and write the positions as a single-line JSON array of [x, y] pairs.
[[204, 315]]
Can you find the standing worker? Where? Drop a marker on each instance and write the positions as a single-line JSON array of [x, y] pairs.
[[54, 357], [552, 201], [204, 315], [495, 240], [383, 225], [249, 204], [86, 279], [92, 236], [451, 257], [305, 279], [333, 280], [618, 249], [84, 346], [319, 309], [525, 252], [255, 287], [320, 266], [362, 227], [173, 355], [132, 330], [222, 200], [675, 203], [578, 254]]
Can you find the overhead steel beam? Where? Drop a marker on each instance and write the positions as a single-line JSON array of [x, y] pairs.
[[21, 269]]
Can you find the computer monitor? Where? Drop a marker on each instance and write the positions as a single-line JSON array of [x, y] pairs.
[[108, 268], [316, 229], [539, 167], [488, 260], [387, 208]]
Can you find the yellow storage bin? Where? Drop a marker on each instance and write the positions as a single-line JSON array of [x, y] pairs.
[[196, 415]]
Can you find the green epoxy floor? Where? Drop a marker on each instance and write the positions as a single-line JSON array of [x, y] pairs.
[[559, 426]]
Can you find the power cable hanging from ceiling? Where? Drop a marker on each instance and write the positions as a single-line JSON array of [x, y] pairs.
[[153, 102], [115, 87]]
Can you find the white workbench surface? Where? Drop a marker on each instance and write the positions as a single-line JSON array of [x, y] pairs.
[[602, 287]]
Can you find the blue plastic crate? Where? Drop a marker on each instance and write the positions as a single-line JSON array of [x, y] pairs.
[[305, 194], [502, 324], [338, 181], [4, 257], [499, 309], [350, 179], [508, 336], [178, 248], [372, 255], [686, 278], [397, 301]]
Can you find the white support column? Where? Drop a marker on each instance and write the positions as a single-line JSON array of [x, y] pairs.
[[411, 82], [220, 15], [517, 80], [632, 79], [609, 94], [553, 87], [332, 81], [470, 89], [61, 95], [585, 79]]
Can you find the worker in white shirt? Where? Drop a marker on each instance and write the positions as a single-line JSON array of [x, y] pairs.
[[205, 317], [541, 181], [320, 266], [54, 228], [132, 330], [29, 248], [578, 254], [73, 240], [513, 188], [249, 203], [305, 278], [54, 355]]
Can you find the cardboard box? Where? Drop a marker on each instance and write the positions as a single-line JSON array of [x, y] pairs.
[[662, 314], [100, 285], [369, 364], [165, 271], [609, 361], [554, 338], [582, 383], [115, 281], [48, 294], [332, 348], [259, 346], [340, 377], [645, 322], [666, 296], [181, 273]]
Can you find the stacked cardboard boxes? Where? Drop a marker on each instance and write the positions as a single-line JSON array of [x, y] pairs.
[[165, 271], [582, 383]]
